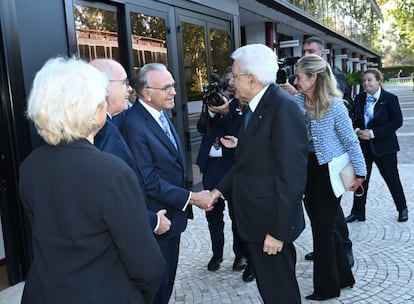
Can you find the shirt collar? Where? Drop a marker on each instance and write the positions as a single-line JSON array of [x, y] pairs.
[[154, 112], [255, 100], [376, 95]]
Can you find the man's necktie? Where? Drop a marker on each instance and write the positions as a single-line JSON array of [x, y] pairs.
[[247, 115], [369, 110], [167, 130]]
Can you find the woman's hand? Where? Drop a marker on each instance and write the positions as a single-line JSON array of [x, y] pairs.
[[357, 187], [364, 134]]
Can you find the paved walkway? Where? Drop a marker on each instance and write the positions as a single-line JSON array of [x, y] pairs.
[[383, 248]]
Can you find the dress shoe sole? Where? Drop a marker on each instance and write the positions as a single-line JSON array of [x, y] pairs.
[[249, 278], [214, 266], [353, 218], [248, 275], [310, 256], [318, 298], [239, 264]]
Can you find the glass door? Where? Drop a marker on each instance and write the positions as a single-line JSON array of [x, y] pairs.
[[205, 49]]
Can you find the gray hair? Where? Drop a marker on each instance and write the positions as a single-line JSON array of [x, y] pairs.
[[65, 96], [259, 60], [141, 80]]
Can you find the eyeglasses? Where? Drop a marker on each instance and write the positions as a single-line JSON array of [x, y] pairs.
[[167, 89], [237, 75], [124, 81]]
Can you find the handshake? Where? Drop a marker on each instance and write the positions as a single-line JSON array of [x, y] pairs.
[[205, 199]]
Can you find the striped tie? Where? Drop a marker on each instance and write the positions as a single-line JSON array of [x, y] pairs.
[[167, 130]]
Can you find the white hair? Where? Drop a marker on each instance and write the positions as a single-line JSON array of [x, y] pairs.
[[259, 60], [65, 96]]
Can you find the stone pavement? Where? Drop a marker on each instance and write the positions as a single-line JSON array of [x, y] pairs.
[[383, 248]]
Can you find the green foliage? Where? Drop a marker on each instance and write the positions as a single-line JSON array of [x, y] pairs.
[[401, 33], [353, 78], [391, 72]]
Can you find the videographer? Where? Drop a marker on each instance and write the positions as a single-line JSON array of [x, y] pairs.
[[214, 160]]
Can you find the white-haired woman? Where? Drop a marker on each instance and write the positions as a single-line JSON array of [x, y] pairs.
[[90, 234]]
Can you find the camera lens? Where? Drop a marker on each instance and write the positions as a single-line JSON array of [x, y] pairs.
[[215, 99]]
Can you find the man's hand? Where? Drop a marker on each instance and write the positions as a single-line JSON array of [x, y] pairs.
[[290, 88], [202, 200], [165, 223], [271, 245], [229, 141], [223, 109], [215, 194]]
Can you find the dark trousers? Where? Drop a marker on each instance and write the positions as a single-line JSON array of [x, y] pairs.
[[387, 166], [331, 269], [170, 250], [275, 274], [212, 174], [342, 228]]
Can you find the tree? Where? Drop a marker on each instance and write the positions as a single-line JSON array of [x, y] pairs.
[[404, 21], [398, 39]]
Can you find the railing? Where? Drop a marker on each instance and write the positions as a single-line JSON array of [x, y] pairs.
[[401, 81]]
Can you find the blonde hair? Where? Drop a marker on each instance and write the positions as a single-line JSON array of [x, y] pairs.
[[325, 86], [65, 96]]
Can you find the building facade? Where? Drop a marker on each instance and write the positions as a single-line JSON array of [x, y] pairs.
[[193, 38]]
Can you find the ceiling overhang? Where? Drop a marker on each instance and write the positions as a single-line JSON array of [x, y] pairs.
[[291, 21]]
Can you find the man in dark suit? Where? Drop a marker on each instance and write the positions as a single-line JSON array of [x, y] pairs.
[[214, 161], [315, 45], [268, 176], [158, 152], [109, 138]]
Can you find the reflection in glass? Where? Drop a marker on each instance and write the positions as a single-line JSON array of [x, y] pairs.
[[195, 66], [96, 32], [220, 54], [148, 40]]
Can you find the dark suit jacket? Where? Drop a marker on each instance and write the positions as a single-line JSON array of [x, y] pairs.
[[90, 233], [109, 139], [268, 176], [160, 164], [386, 121], [217, 127]]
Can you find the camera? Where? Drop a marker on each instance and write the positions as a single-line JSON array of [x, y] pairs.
[[285, 68], [213, 93], [281, 76]]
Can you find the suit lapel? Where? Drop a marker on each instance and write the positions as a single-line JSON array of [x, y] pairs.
[[260, 111], [159, 133], [257, 117]]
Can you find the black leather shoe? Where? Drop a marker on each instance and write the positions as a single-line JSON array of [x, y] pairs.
[[310, 256], [214, 263], [248, 274], [403, 215], [240, 264], [315, 297], [353, 217]]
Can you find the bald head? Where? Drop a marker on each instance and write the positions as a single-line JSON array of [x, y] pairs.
[[118, 89]]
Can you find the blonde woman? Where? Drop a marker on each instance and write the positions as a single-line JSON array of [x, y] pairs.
[[330, 134]]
